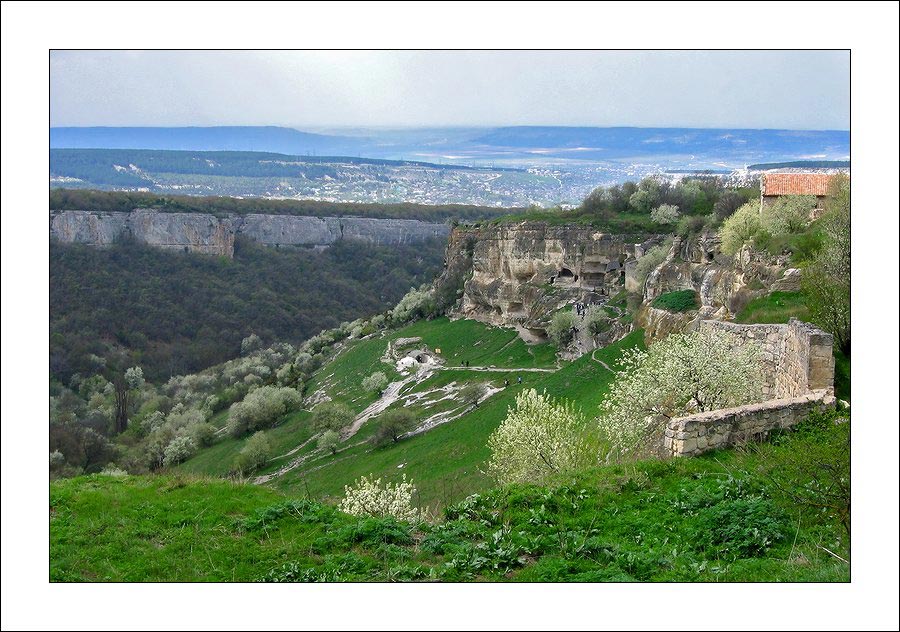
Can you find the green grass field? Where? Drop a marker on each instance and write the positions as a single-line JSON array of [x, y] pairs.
[[777, 307], [725, 516], [340, 378], [446, 462]]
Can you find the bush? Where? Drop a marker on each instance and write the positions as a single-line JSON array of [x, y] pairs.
[[740, 228], [788, 214], [331, 416], [203, 434], [253, 455], [727, 204], [683, 373], [329, 441], [368, 497], [677, 301], [262, 409], [596, 320], [651, 260], [691, 225], [416, 304], [392, 425], [375, 383], [741, 527], [538, 439], [180, 449], [561, 328], [665, 214]]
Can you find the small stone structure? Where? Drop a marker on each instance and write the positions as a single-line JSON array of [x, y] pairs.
[[798, 370]]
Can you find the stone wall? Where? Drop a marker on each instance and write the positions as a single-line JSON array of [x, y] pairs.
[[797, 357], [209, 234], [695, 434], [798, 372]]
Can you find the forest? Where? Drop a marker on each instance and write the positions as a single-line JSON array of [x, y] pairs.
[[176, 313], [127, 201]]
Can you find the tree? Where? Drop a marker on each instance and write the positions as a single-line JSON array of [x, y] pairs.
[[665, 214], [826, 281], [788, 214], [727, 204], [262, 408], [329, 440], [471, 394], [539, 438], [369, 497], [596, 320], [125, 383], [375, 383], [332, 416], [253, 455], [392, 425], [180, 449], [250, 344], [682, 374], [561, 328], [740, 228]]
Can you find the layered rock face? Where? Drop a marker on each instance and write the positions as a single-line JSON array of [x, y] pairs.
[[189, 232], [522, 273], [208, 234], [723, 284]]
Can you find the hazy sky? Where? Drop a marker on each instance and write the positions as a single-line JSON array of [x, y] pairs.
[[308, 89]]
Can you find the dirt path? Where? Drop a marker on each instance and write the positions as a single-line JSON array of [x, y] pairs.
[[602, 363], [390, 395], [494, 369]]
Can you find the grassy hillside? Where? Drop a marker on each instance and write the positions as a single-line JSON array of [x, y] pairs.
[[445, 461], [741, 515]]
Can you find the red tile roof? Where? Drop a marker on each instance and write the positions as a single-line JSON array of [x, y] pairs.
[[796, 183]]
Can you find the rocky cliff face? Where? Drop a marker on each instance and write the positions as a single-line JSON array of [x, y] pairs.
[[519, 274], [189, 232], [208, 234], [724, 285]]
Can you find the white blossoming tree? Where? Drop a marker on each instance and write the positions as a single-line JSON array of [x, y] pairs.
[[539, 438], [369, 497], [665, 214], [679, 375]]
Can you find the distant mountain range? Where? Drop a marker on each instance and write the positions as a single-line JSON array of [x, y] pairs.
[[523, 146]]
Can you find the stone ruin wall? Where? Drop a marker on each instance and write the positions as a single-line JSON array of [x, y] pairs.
[[798, 370]]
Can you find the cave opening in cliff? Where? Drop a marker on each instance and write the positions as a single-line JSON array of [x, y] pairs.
[[564, 276]]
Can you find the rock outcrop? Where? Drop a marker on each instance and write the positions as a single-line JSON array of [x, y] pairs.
[[209, 234], [723, 284], [520, 274]]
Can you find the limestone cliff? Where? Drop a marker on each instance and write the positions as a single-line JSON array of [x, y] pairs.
[[724, 284], [209, 234], [520, 274]]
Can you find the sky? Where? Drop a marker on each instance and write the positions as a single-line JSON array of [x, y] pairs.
[[327, 89]]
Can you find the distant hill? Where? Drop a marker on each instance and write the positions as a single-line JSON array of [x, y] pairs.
[[271, 139], [802, 164], [619, 142], [469, 144]]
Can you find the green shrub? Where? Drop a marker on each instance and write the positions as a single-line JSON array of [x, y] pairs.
[[561, 327], [392, 425], [740, 228], [742, 527], [677, 301], [253, 455]]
